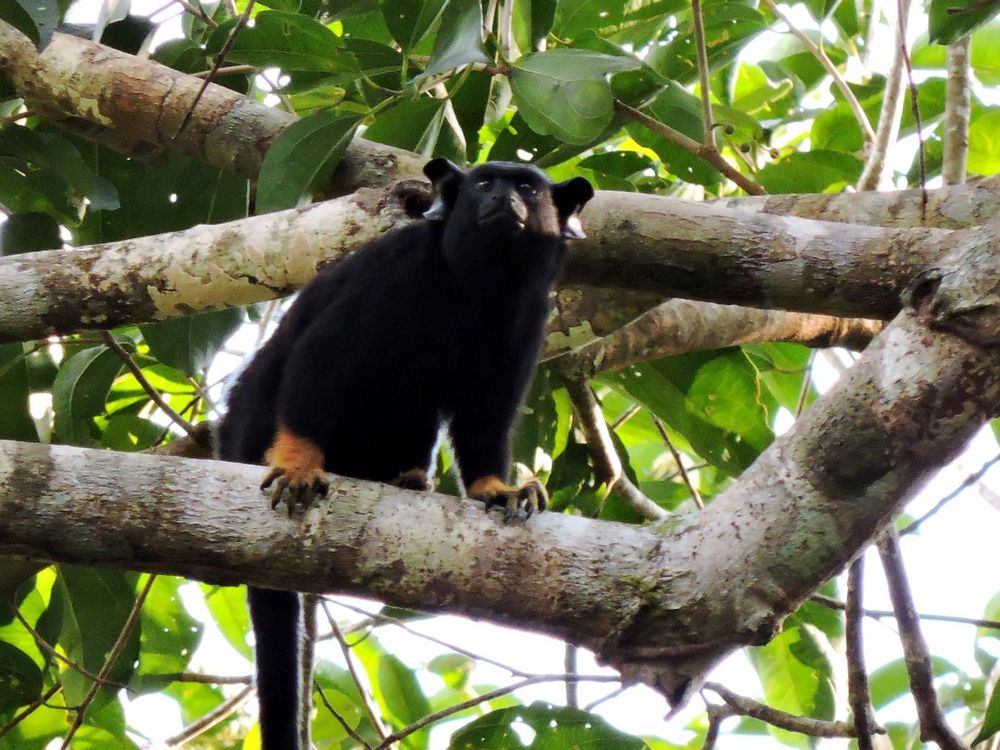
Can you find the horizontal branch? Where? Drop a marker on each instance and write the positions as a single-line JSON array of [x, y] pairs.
[[136, 105], [651, 246], [660, 603]]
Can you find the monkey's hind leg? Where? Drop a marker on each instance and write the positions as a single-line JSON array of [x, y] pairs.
[[296, 471], [494, 491]]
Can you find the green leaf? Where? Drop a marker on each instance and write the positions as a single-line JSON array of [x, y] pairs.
[[949, 20], [79, 392], [169, 635], [810, 172], [400, 695], [984, 143], [551, 728], [418, 125], [189, 343], [991, 719], [228, 605], [302, 159], [20, 678], [459, 40], [97, 604], [536, 426], [890, 681], [796, 677], [454, 669], [410, 20], [129, 432], [25, 233], [15, 419], [565, 92], [15, 12], [289, 41]]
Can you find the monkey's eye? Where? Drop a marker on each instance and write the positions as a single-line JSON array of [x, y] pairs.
[[526, 188], [484, 186]]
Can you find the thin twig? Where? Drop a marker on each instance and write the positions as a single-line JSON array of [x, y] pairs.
[[858, 692], [373, 716], [695, 495], [217, 65], [11, 119], [933, 727], [45, 646], [716, 715], [915, 109], [607, 465], [228, 70], [210, 719], [205, 679], [153, 394], [569, 663], [881, 614], [706, 99], [702, 151], [307, 654], [831, 69], [31, 708], [800, 405], [970, 480], [604, 698], [343, 722], [892, 111], [109, 662], [782, 719], [198, 13]]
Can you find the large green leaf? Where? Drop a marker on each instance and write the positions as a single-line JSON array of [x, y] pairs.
[[566, 93], [552, 727], [410, 20], [20, 678], [459, 40], [169, 635], [228, 605], [949, 20], [418, 125], [289, 41], [302, 158], [15, 419], [984, 143], [189, 343], [810, 172], [97, 604], [890, 681], [79, 392]]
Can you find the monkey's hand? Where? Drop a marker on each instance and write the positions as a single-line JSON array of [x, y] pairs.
[[494, 491], [415, 479], [296, 472]]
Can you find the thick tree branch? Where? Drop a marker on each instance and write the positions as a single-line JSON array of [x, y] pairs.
[[710, 582], [650, 245], [136, 106]]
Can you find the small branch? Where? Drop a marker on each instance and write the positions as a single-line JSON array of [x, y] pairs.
[[892, 111], [915, 109], [373, 716], [709, 154], [695, 495], [831, 69], [228, 70], [310, 605], [572, 693], [966, 483], [206, 679], [933, 727], [241, 22], [858, 692], [716, 715], [782, 719], [116, 650], [11, 119], [198, 13], [210, 719], [154, 396], [957, 110], [607, 465], [45, 646], [706, 98], [880, 614], [485, 697], [343, 722]]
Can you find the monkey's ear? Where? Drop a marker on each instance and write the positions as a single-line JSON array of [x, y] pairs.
[[569, 198], [445, 178]]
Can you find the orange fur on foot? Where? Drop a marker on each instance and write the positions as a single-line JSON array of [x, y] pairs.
[[414, 479], [296, 472], [492, 490]]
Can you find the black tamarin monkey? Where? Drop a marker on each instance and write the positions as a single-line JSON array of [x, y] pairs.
[[437, 323]]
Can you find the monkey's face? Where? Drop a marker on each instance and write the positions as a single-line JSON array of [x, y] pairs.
[[502, 200]]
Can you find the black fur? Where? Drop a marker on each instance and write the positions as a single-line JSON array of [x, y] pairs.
[[439, 322]]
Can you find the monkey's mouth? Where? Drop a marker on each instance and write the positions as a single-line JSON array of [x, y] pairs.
[[502, 220]]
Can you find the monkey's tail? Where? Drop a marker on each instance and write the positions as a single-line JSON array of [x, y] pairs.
[[277, 626]]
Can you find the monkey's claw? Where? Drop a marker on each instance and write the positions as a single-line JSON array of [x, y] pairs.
[[530, 496], [294, 487]]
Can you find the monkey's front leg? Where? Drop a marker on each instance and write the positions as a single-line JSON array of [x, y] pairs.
[[297, 473], [493, 490]]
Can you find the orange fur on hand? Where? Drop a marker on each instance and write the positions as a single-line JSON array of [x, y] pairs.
[[488, 485], [298, 457]]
